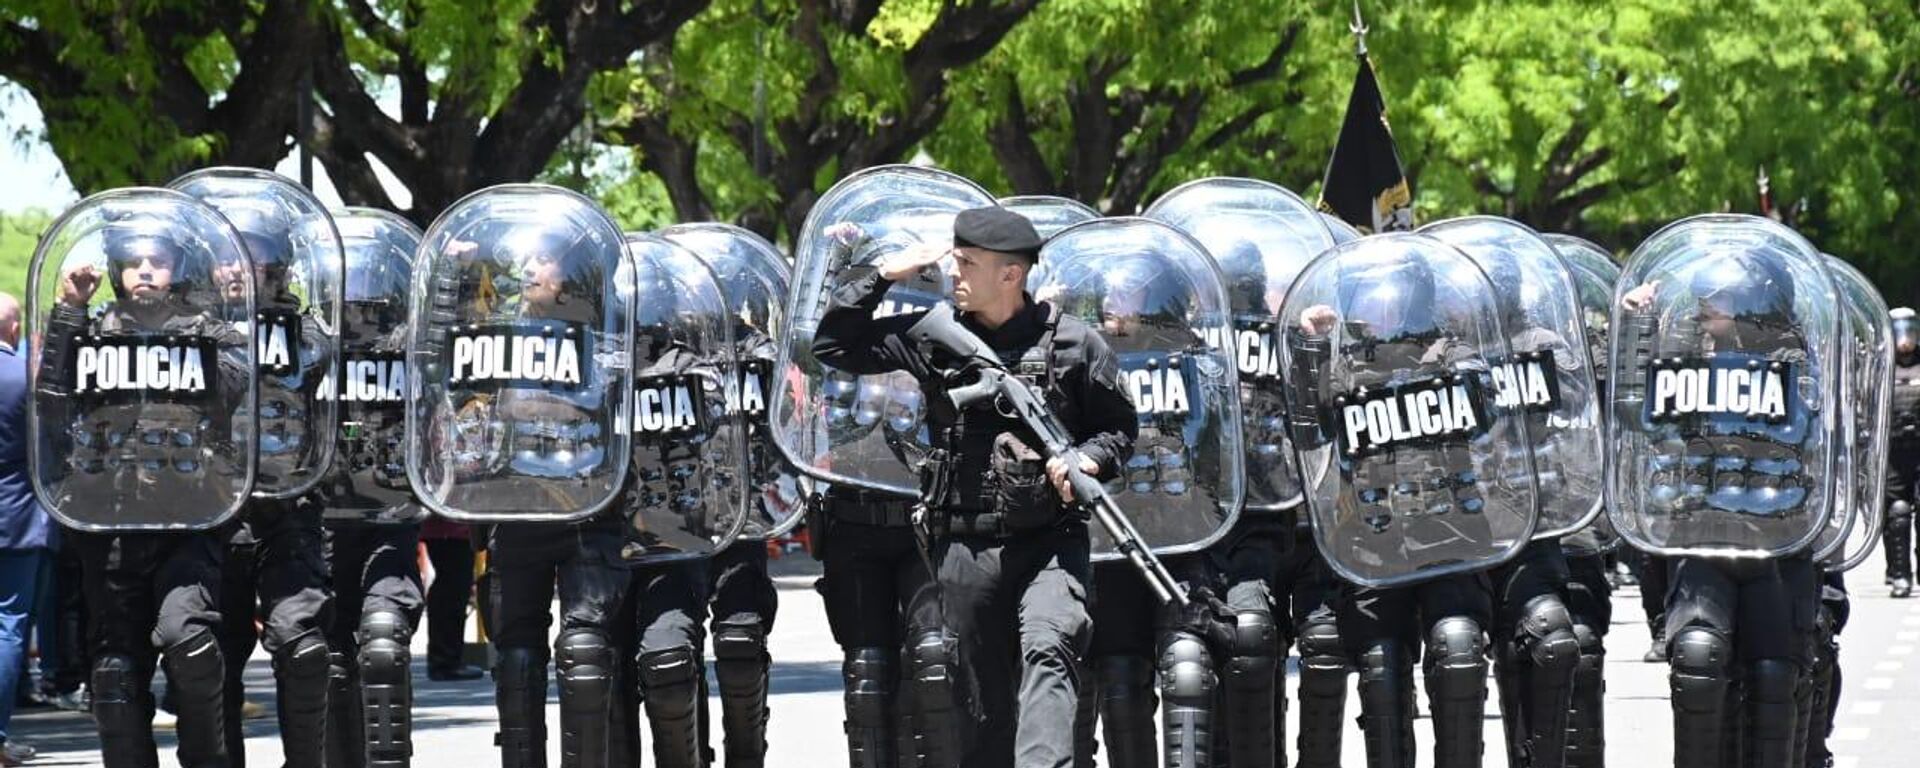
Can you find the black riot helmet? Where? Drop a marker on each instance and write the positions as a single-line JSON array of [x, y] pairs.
[[1245, 267], [128, 242], [268, 234], [1906, 332]]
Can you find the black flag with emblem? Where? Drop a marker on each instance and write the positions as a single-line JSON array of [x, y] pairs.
[[1365, 185]]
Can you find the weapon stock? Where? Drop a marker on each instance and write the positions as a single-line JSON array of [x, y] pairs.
[[1010, 393]]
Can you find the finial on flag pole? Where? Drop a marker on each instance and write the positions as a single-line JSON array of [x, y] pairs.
[[1359, 27]]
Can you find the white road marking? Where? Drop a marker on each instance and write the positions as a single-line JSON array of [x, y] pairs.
[[1888, 666], [1880, 684], [1868, 708], [1899, 650]]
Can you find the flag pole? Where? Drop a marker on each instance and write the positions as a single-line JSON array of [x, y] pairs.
[[1359, 28]]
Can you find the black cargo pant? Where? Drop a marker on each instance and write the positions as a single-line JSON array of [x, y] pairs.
[[275, 573], [528, 562], [374, 568], [1903, 471], [741, 598], [146, 593], [1019, 608], [663, 611], [447, 600]]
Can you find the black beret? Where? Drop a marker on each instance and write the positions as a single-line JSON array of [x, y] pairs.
[[997, 229]]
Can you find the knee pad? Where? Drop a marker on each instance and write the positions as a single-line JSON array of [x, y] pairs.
[[1591, 643], [383, 648], [1256, 645], [931, 659], [1186, 669], [668, 682], [302, 661], [1322, 657], [740, 660], [1700, 660], [195, 663], [1554, 646], [584, 661], [1900, 510], [868, 674], [1456, 642]]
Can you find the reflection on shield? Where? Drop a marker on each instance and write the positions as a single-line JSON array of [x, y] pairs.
[[1049, 213], [1725, 366], [1860, 471], [296, 255], [1549, 375], [1261, 236], [518, 360], [368, 480], [753, 280], [863, 431], [1411, 465], [689, 477], [1154, 295], [142, 414], [1593, 273]]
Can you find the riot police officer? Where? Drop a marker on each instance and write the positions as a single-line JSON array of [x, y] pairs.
[[1015, 563], [1903, 455], [275, 565], [139, 460], [1738, 627], [373, 520], [684, 494], [1411, 519]]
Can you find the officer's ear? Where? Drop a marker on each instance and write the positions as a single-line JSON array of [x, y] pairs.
[[1020, 267]]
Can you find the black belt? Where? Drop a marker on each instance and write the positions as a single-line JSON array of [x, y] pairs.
[[867, 507]]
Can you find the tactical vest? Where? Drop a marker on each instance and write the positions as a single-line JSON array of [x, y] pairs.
[[1906, 400], [965, 490]]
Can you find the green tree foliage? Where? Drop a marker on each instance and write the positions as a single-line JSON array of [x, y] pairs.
[[134, 93], [19, 233], [755, 107]]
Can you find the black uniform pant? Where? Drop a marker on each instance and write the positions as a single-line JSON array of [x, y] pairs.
[[447, 600], [1019, 608], [741, 599], [1589, 591], [69, 622], [275, 574], [1655, 574], [1903, 470], [374, 569], [662, 613], [529, 561], [147, 593], [1764, 608], [1405, 613]]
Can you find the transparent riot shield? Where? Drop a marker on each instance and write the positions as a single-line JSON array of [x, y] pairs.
[[1865, 409], [296, 317], [142, 394], [1049, 213], [753, 279], [1724, 373], [518, 364], [368, 480], [1593, 279], [1550, 375], [1414, 466], [1156, 298], [689, 481], [1261, 236], [862, 431]]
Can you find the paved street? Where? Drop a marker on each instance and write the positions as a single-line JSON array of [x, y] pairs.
[[454, 725]]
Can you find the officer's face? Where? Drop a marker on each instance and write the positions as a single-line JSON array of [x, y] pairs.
[[540, 280], [983, 278], [148, 276]]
